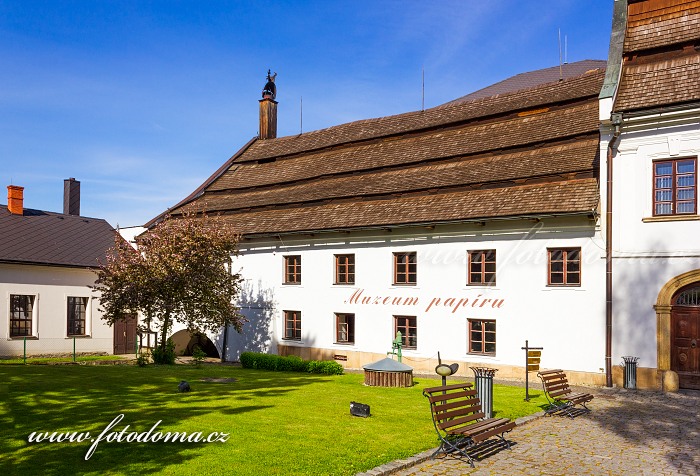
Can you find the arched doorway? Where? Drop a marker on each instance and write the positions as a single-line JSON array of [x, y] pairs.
[[185, 342], [667, 327], [685, 336]]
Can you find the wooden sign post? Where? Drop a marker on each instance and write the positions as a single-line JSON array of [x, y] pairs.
[[532, 364]]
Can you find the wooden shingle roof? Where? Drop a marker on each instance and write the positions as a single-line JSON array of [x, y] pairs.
[[526, 153], [659, 23], [661, 63]]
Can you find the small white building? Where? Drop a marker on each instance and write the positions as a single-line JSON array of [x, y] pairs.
[[47, 263], [650, 112]]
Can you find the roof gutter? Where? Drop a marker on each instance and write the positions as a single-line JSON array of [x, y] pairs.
[[616, 120], [653, 113], [52, 265]]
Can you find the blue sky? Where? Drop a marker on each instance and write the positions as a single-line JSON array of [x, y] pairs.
[[142, 100]]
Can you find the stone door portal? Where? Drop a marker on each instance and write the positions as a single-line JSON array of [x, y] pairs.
[[685, 336]]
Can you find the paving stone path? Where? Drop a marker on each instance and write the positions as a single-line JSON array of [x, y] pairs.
[[626, 433]]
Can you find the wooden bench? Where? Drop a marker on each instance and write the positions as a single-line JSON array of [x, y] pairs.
[[560, 396], [459, 419]]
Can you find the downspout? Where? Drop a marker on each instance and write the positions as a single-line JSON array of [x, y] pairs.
[[616, 120]]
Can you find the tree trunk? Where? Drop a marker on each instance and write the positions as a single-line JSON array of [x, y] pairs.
[[164, 333]]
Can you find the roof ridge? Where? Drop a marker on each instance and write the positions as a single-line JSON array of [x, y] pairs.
[[415, 121]]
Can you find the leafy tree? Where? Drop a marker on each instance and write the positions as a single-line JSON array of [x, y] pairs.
[[182, 270]]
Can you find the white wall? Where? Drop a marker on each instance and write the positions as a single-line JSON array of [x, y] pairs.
[[51, 286], [567, 322], [647, 251]]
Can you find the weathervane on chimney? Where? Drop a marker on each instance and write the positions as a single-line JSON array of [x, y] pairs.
[[270, 90]]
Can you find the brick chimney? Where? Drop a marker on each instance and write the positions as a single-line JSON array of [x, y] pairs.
[[268, 109], [15, 199], [71, 197]]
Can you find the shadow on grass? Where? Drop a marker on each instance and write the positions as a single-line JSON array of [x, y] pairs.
[[86, 399]]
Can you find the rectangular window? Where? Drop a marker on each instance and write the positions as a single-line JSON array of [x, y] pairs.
[[344, 269], [482, 337], [405, 268], [675, 187], [292, 269], [21, 315], [344, 328], [482, 267], [292, 325], [77, 316], [564, 266], [409, 332]]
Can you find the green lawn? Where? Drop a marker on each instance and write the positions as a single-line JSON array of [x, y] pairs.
[[278, 423]]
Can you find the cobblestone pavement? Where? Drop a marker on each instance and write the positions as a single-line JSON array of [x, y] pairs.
[[626, 433]]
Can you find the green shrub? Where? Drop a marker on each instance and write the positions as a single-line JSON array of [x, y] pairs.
[[198, 356], [143, 359], [291, 363], [326, 367], [164, 356]]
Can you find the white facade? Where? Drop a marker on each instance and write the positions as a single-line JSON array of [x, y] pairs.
[[568, 321], [50, 287], [653, 256]]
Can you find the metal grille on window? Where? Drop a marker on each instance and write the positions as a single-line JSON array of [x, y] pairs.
[[689, 297]]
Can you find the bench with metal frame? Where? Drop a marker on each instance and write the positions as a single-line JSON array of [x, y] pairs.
[[559, 395], [459, 419]]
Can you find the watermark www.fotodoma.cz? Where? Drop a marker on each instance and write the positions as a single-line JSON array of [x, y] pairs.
[[110, 435]]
